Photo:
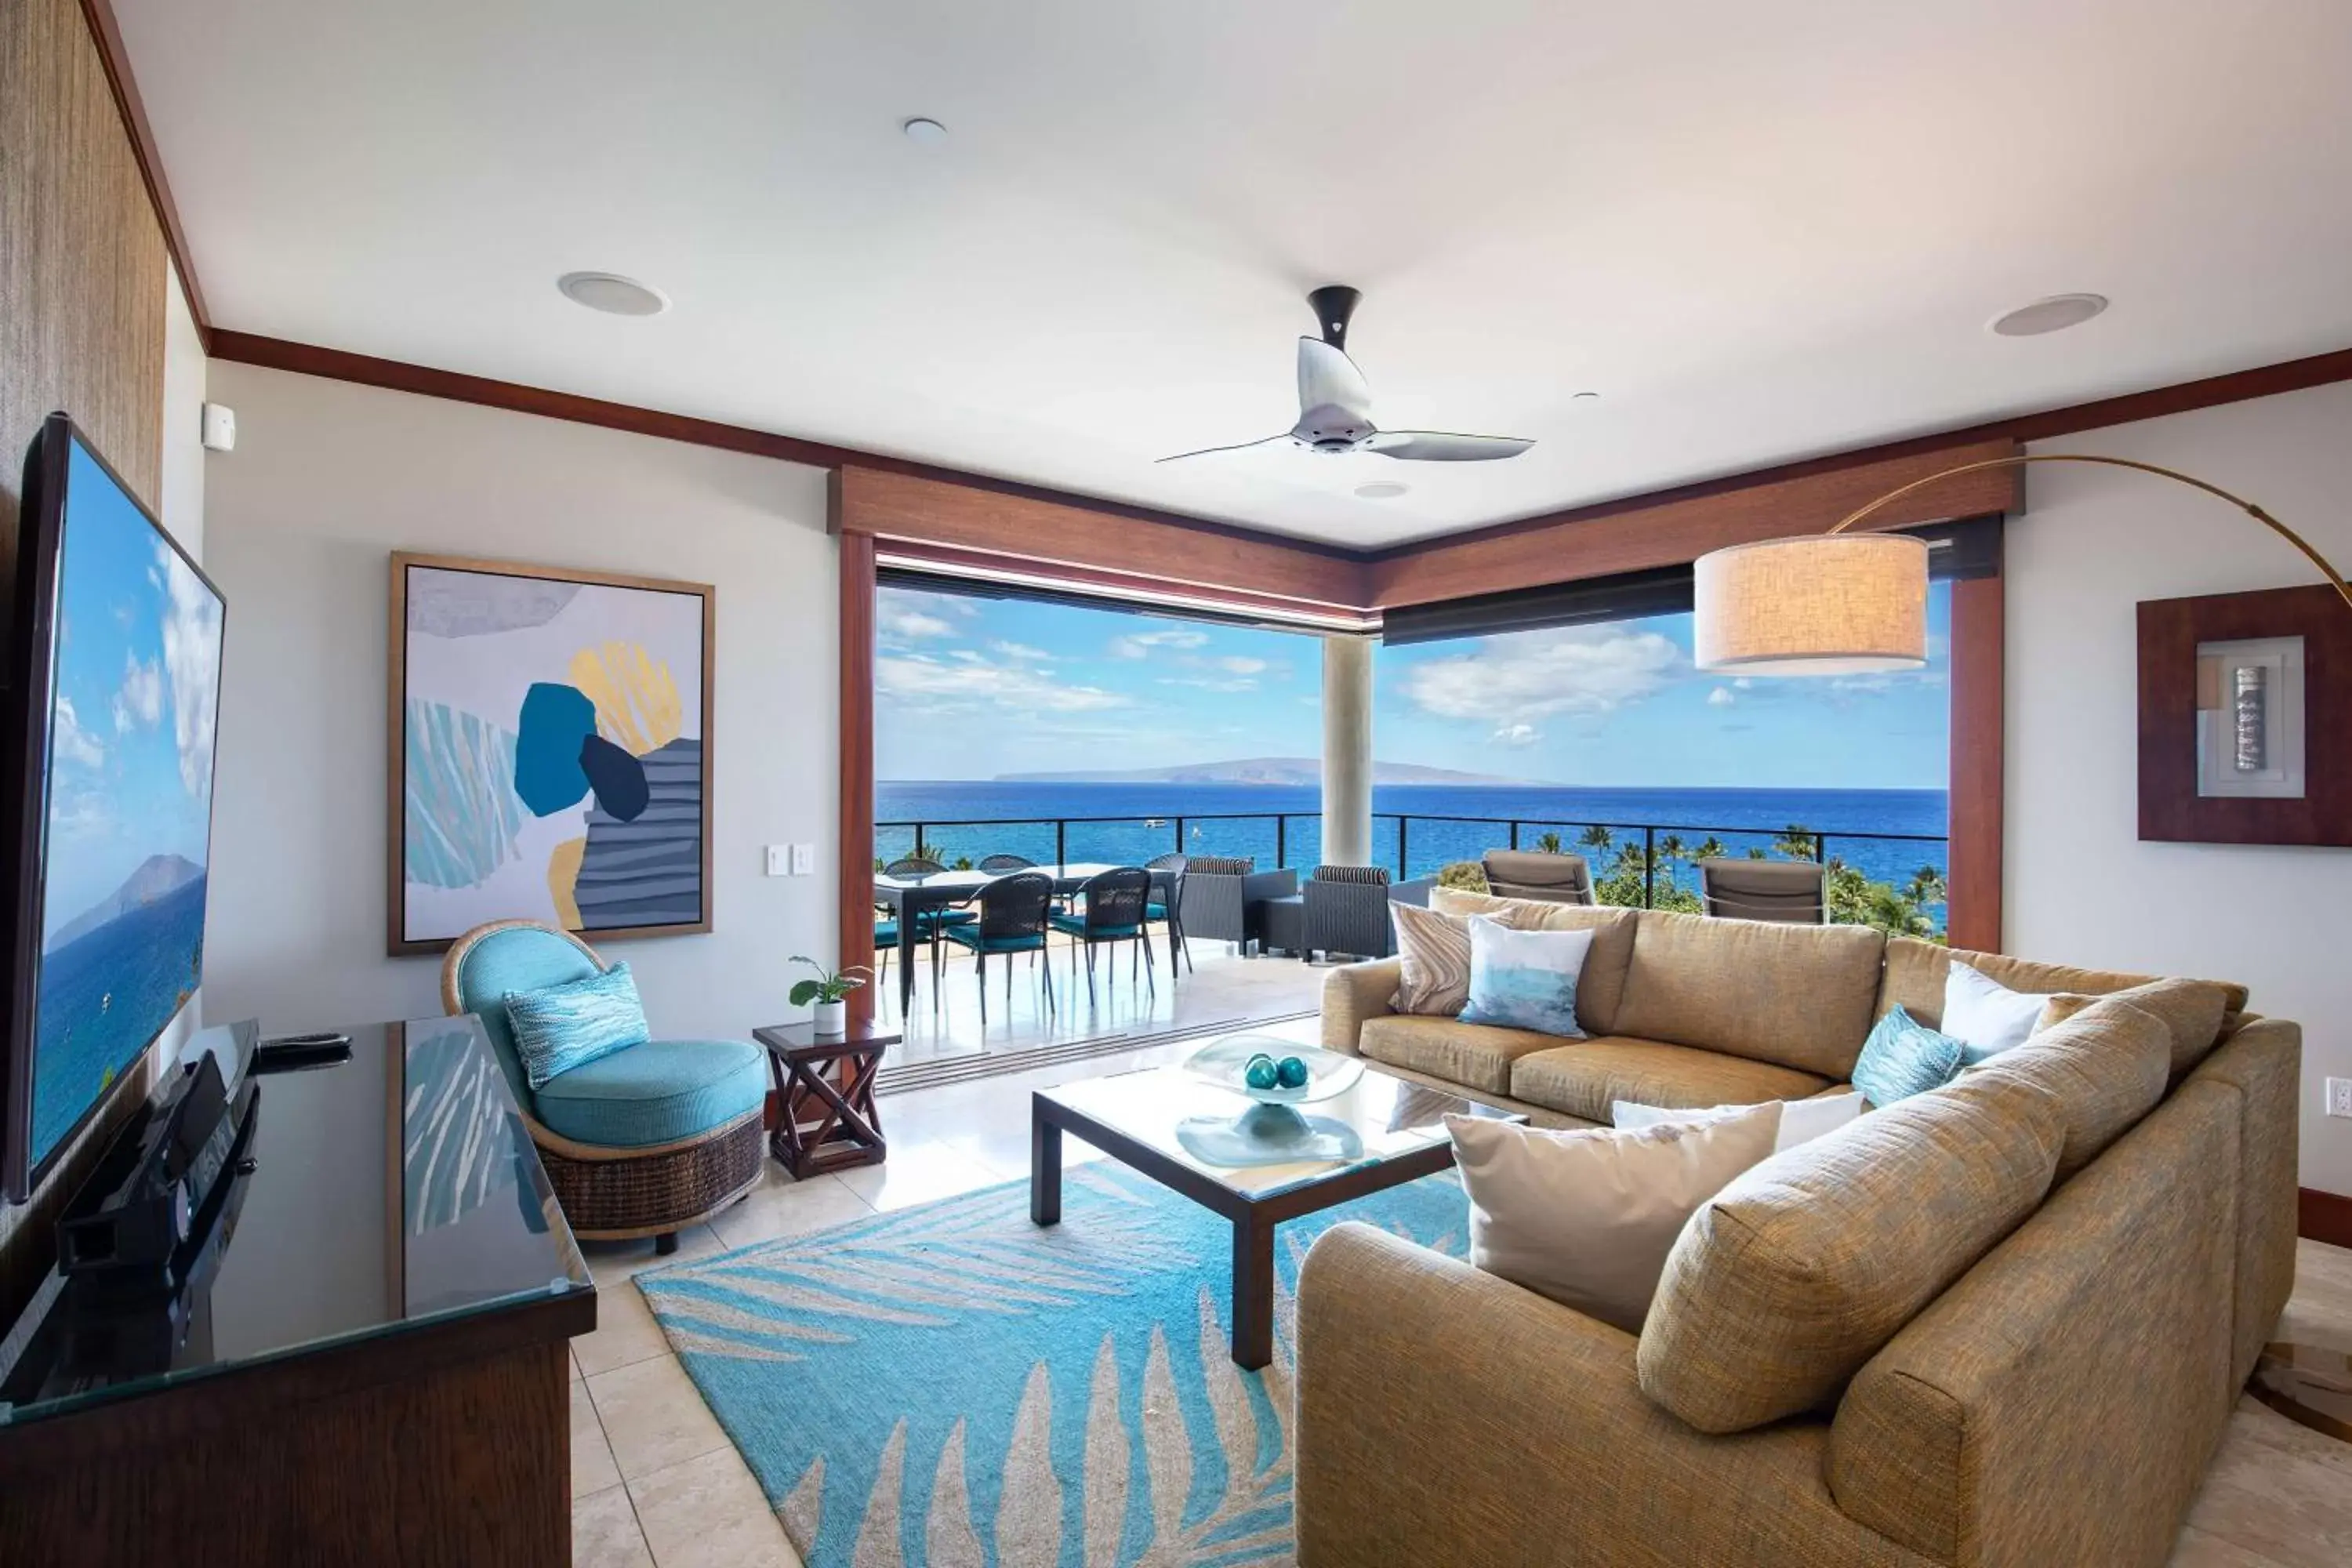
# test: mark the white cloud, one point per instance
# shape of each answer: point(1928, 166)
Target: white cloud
point(69, 741)
point(140, 700)
point(1720, 696)
point(1517, 736)
point(1241, 683)
point(1238, 664)
point(919, 677)
point(192, 659)
point(1019, 650)
point(900, 622)
point(1527, 675)
point(1138, 645)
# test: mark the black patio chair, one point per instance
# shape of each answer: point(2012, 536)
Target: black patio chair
point(996, 864)
point(1171, 912)
point(1013, 914)
point(1113, 904)
point(931, 922)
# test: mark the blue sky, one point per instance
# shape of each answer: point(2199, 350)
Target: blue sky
point(136, 684)
point(971, 688)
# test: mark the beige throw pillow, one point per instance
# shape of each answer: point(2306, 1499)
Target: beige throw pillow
point(2192, 1012)
point(1587, 1217)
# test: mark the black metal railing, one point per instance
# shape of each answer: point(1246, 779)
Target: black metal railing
point(1440, 840)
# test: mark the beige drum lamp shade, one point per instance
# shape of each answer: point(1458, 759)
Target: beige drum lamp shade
point(1831, 604)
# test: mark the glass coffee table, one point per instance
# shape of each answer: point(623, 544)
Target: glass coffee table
point(1382, 1131)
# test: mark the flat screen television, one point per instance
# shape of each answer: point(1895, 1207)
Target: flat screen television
point(113, 669)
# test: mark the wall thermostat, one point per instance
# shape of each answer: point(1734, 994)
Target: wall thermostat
point(220, 427)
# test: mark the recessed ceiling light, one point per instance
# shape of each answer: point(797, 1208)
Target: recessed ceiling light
point(2055, 314)
point(1382, 490)
point(613, 294)
point(930, 133)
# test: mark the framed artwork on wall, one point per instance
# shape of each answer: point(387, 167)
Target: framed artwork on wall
point(2245, 718)
point(549, 751)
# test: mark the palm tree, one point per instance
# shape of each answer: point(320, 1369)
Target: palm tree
point(1796, 843)
point(1597, 837)
point(1709, 849)
point(1549, 842)
point(1927, 886)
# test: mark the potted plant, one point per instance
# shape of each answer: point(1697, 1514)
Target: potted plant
point(830, 991)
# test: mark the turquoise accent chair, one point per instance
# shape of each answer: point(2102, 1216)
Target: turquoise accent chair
point(641, 1142)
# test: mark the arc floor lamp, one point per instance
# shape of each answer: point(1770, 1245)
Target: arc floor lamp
point(1845, 604)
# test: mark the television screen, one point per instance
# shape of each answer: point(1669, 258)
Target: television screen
point(118, 641)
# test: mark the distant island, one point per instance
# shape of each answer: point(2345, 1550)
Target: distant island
point(157, 876)
point(1294, 771)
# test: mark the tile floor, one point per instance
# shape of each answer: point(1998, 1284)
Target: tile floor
point(656, 1482)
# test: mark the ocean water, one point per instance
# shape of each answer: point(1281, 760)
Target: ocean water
point(104, 997)
point(1887, 833)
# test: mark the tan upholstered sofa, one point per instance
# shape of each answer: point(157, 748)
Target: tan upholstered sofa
point(2048, 1282)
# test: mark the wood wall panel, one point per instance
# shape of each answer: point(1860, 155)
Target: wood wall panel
point(856, 847)
point(1639, 535)
point(1972, 912)
point(82, 282)
point(906, 507)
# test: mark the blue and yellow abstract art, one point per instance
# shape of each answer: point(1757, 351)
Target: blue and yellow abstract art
point(553, 728)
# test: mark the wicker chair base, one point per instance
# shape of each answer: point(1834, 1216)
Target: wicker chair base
point(631, 1194)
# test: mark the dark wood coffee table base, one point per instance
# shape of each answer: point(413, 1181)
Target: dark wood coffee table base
point(1254, 1219)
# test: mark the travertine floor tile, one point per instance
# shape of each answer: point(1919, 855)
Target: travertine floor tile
point(591, 1458)
point(781, 1206)
point(2280, 1490)
point(653, 1417)
point(918, 1174)
point(709, 1512)
point(611, 1261)
point(626, 1331)
point(604, 1533)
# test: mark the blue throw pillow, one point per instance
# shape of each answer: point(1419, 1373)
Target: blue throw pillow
point(1524, 979)
point(568, 1025)
point(1903, 1057)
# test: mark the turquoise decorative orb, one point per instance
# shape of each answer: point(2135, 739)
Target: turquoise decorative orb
point(1290, 1073)
point(1261, 1072)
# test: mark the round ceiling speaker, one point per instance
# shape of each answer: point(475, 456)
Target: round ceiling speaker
point(2055, 314)
point(613, 294)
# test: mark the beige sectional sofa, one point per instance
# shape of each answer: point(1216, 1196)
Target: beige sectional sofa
point(2003, 1322)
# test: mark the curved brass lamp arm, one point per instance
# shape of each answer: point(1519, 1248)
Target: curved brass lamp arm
point(2343, 590)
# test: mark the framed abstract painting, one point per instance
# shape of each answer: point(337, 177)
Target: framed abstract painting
point(549, 751)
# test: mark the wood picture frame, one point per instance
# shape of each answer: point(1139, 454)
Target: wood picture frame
point(484, 779)
point(2175, 803)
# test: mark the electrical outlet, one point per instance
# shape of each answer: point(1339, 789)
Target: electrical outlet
point(779, 861)
point(2339, 1097)
point(803, 860)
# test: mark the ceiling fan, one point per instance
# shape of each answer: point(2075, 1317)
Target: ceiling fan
point(1334, 406)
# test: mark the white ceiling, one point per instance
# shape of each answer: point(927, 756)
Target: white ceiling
point(1759, 231)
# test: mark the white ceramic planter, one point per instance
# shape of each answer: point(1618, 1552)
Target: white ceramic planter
point(833, 1017)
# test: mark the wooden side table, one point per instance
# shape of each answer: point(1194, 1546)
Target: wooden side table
point(825, 1118)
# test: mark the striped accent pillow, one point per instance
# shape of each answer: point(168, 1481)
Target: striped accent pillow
point(572, 1024)
point(1434, 956)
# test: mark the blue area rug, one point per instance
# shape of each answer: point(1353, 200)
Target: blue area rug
point(952, 1385)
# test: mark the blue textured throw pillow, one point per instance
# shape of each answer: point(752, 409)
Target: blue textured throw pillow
point(1903, 1057)
point(568, 1025)
point(1524, 979)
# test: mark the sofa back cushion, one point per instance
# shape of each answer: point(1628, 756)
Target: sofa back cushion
point(1600, 985)
point(1784, 1286)
point(1797, 995)
point(2106, 1068)
point(1915, 970)
point(2192, 1012)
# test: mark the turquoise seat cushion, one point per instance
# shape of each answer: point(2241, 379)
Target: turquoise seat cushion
point(1904, 1057)
point(1076, 925)
point(519, 958)
point(658, 1092)
point(1155, 913)
point(969, 936)
point(562, 1028)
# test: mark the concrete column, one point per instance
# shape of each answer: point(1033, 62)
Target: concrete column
point(1347, 751)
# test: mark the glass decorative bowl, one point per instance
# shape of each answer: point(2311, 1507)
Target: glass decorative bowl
point(1225, 1062)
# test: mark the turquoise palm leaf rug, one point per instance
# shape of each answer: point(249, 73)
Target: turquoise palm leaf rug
point(953, 1386)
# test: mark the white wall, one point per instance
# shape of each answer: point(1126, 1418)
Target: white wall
point(2080, 886)
point(327, 479)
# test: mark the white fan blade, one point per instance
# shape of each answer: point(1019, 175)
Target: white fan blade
point(1439, 446)
point(1281, 440)
point(1328, 379)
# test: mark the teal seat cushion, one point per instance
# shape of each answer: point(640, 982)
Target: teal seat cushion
point(969, 937)
point(1076, 925)
point(1155, 913)
point(658, 1092)
point(519, 958)
point(1904, 1057)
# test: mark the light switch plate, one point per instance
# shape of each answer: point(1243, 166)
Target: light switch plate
point(779, 860)
point(2339, 1097)
point(803, 860)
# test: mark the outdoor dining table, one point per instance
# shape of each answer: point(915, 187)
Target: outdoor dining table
point(907, 898)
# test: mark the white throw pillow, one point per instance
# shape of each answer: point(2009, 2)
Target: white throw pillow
point(1986, 1015)
point(1524, 979)
point(1801, 1120)
point(1587, 1217)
